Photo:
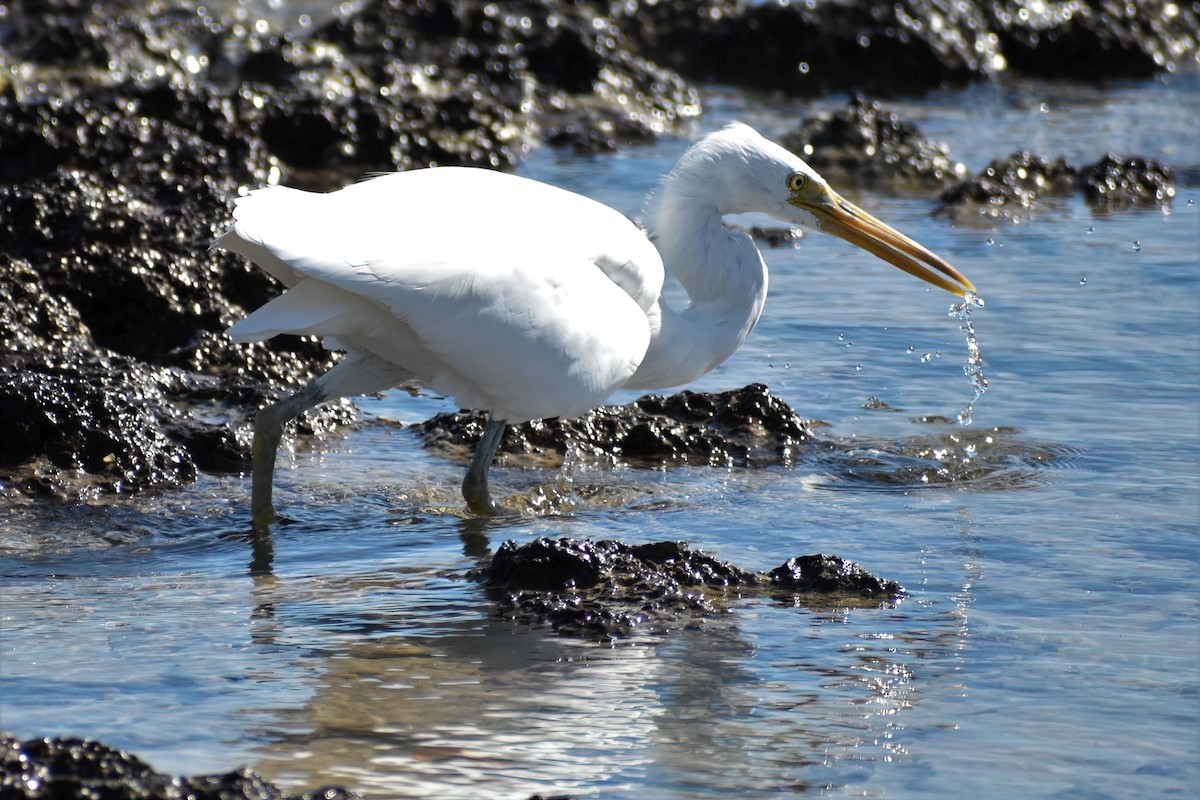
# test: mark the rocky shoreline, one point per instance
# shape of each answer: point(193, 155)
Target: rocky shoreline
point(127, 128)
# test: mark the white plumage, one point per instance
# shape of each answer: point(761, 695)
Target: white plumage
point(522, 299)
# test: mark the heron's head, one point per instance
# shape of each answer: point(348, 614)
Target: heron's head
point(749, 173)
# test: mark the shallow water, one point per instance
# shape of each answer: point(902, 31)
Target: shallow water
point(1048, 646)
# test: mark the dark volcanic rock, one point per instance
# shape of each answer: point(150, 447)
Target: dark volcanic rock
point(743, 427)
point(813, 48)
point(1093, 39)
point(109, 373)
point(868, 144)
point(911, 45)
point(608, 589)
point(565, 60)
point(831, 574)
point(126, 128)
point(1115, 183)
point(63, 434)
point(60, 769)
point(1010, 187)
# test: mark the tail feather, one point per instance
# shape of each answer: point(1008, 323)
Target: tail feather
point(310, 308)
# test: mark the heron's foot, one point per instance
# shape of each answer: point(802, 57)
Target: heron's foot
point(479, 500)
point(477, 494)
point(486, 509)
point(261, 518)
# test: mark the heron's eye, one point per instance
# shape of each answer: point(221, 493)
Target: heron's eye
point(795, 181)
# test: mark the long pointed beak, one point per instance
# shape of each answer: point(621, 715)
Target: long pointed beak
point(845, 220)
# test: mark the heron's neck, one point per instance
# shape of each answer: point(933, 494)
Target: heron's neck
point(726, 282)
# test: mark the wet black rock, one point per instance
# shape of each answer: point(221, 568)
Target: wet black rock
point(127, 127)
point(564, 62)
point(742, 427)
point(1010, 187)
point(814, 48)
point(64, 768)
point(1093, 39)
point(831, 575)
point(911, 45)
point(609, 589)
point(868, 144)
point(69, 436)
point(1115, 182)
point(112, 380)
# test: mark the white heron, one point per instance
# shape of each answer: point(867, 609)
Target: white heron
point(525, 300)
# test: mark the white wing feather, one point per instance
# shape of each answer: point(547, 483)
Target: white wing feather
point(507, 294)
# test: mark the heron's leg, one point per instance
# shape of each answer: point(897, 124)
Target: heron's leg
point(475, 485)
point(358, 373)
point(268, 429)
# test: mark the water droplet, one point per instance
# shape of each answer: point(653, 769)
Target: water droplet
point(973, 369)
point(1137, 245)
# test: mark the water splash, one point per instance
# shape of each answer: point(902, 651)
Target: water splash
point(974, 366)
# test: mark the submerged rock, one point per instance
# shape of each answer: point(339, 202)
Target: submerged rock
point(61, 768)
point(608, 589)
point(742, 427)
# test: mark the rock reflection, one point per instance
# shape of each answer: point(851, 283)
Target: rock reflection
point(484, 706)
point(420, 691)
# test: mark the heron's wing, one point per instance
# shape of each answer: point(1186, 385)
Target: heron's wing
point(485, 284)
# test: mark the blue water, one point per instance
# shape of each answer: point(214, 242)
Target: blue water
point(1049, 646)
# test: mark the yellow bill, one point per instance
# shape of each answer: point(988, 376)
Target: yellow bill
point(840, 217)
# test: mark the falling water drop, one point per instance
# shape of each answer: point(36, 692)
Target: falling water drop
point(973, 369)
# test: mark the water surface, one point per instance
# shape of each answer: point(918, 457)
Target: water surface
point(1048, 646)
